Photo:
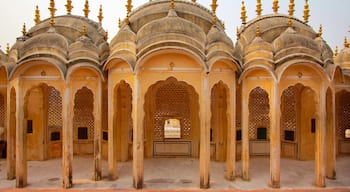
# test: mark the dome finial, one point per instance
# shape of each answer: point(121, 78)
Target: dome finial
point(119, 23)
point(128, 10)
point(306, 11)
point(257, 32)
point(52, 12)
point(172, 4)
point(7, 48)
point(37, 15)
point(243, 14)
point(214, 6)
point(86, 9)
point(69, 7)
point(24, 30)
point(84, 31)
point(336, 51)
point(100, 14)
point(258, 8)
point(275, 6)
point(346, 43)
point(291, 8)
point(106, 36)
point(320, 31)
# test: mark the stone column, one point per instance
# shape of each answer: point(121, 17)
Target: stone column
point(331, 136)
point(204, 153)
point(98, 132)
point(112, 155)
point(67, 139)
point(320, 147)
point(231, 134)
point(138, 140)
point(275, 138)
point(245, 133)
point(11, 135)
point(21, 141)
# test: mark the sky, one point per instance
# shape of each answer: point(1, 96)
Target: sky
point(334, 15)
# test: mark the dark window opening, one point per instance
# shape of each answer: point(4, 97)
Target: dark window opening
point(105, 135)
point(55, 136)
point(313, 125)
point(211, 134)
point(82, 133)
point(289, 135)
point(238, 135)
point(262, 133)
point(29, 126)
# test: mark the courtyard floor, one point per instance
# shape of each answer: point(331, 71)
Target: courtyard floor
point(178, 174)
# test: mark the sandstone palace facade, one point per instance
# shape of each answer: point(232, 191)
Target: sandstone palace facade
point(172, 83)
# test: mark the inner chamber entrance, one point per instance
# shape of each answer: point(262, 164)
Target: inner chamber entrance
point(176, 102)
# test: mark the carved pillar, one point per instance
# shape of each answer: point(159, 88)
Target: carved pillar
point(245, 133)
point(275, 139)
point(21, 141)
point(231, 134)
point(204, 153)
point(98, 132)
point(112, 155)
point(320, 147)
point(331, 135)
point(11, 134)
point(138, 140)
point(67, 139)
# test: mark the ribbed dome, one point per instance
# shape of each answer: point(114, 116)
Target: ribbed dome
point(259, 52)
point(343, 58)
point(326, 51)
point(291, 44)
point(84, 49)
point(50, 42)
point(217, 34)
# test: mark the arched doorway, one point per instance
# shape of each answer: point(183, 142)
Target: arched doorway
point(298, 122)
point(343, 122)
point(123, 121)
point(171, 99)
point(218, 130)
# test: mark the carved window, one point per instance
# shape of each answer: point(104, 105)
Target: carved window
point(55, 136)
point(82, 133)
point(172, 129)
point(262, 133)
point(288, 135)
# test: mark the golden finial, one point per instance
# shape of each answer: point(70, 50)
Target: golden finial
point(172, 4)
point(84, 31)
point(275, 6)
point(214, 5)
point(258, 7)
point(306, 11)
point(346, 43)
point(106, 36)
point(24, 30)
point(237, 31)
point(128, 7)
point(127, 19)
point(37, 15)
point(119, 23)
point(86, 9)
point(257, 32)
point(223, 25)
point(289, 21)
point(100, 14)
point(291, 8)
point(320, 31)
point(243, 14)
point(336, 51)
point(52, 12)
point(69, 7)
point(7, 48)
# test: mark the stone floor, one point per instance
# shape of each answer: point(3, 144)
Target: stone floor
point(178, 174)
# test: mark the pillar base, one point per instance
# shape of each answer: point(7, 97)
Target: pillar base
point(230, 177)
point(204, 186)
point(275, 185)
point(138, 184)
point(332, 176)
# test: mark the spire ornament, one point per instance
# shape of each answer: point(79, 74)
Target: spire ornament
point(258, 8)
point(100, 14)
point(243, 14)
point(258, 32)
point(291, 8)
point(24, 30)
point(69, 7)
point(84, 31)
point(275, 6)
point(37, 15)
point(214, 6)
point(52, 12)
point(7, 48)
point(320, 31)
point(172, 4)
point(306, 11)
point(106, 36)
point(128, 10)
point(119, 23)
point(336, 51)
point(346, 43)
point(86, 9)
